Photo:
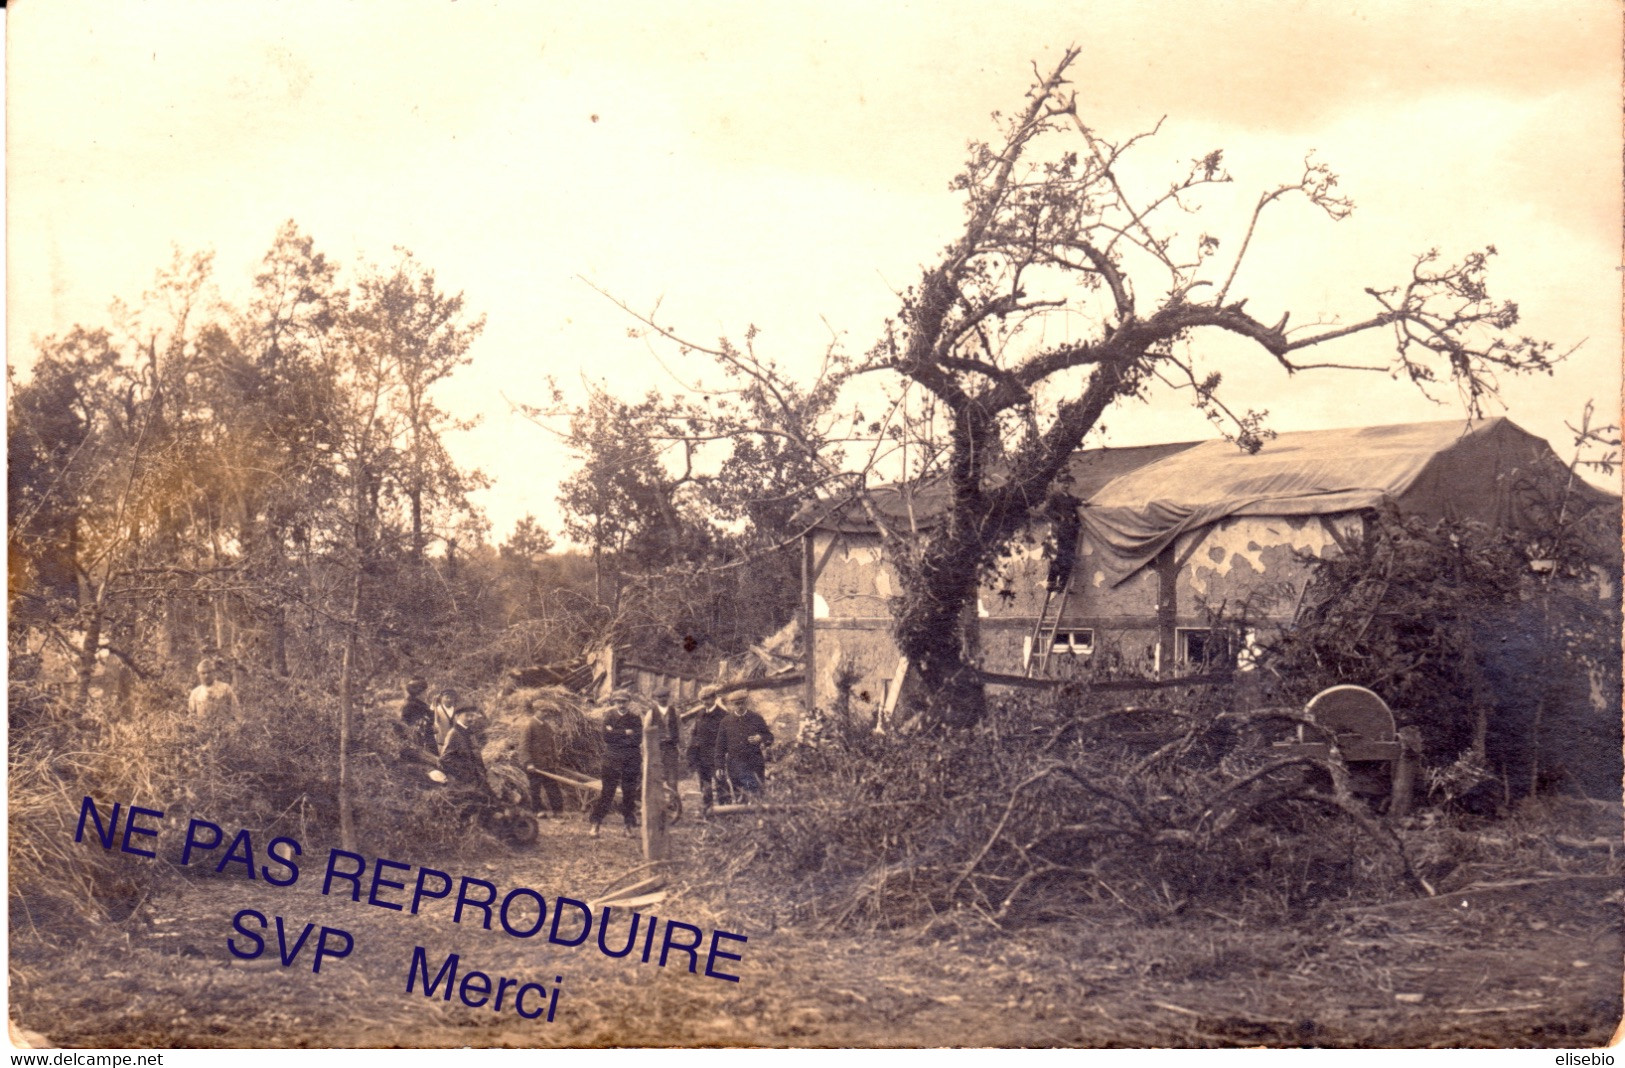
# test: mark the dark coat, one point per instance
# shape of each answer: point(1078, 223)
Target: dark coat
point(417, 720)
point(671, 727)
point(671, 741)
point(539, 743)
point(461, 761)
point(702, 744)
point(623, 731)
point(735, 751)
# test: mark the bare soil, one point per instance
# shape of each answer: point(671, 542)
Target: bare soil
point(1534, 962)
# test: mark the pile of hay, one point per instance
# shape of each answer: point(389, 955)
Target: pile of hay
point(574, 734)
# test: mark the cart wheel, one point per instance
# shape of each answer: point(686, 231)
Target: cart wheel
point(520, 829)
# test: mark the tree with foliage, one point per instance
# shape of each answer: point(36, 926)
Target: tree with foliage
point(1059, 243)
point(68, 462)
point(622, 503)
point(244, 481)
point(105, 437)
point(684, 499)
point(423, 336)
point(529, 542)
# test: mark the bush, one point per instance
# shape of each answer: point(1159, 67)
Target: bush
point(1446, 621)
point(53, 763)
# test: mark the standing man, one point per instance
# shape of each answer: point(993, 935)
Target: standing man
point(742, 741)
point(702, 749)
point(212, 698)
point(622, 766)
point(539, 746)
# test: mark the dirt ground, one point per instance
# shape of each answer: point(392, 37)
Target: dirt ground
point(1519, 963)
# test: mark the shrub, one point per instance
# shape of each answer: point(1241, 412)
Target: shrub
point(1445, 622)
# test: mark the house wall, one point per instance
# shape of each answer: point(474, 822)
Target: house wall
point(1252, 565)
point(852, 647)
point(1249, 567)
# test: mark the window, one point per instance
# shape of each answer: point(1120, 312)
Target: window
point(1075, 642)
point(1198, 646)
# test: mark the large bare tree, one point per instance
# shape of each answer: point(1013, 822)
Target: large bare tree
point(1059, 242)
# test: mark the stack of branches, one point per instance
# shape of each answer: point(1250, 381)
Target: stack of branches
point(55, 882)
point(56, 759)
point(574, 738)
point(270, 770)
point(1044, 811)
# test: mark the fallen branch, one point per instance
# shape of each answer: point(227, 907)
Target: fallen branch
point(1497, 1008)
point(993, 678)
point(1599, 845)
point(579, 782)
point(615, 884)
point(637, 892)
point(998, 829)
point(631, 902)
point(1381, 833)
point(759, 806)
point(1489, 891)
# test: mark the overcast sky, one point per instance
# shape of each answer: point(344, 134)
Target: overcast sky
point(787, 165)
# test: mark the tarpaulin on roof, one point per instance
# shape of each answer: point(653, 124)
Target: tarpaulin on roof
point(918, 506)
point(1482, 470)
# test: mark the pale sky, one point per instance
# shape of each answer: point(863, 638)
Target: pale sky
point(787, 164)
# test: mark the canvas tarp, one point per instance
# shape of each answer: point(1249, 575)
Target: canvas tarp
point(919, 506)
point(1484, 470)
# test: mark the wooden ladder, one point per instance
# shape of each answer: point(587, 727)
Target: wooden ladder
point(1049, 621)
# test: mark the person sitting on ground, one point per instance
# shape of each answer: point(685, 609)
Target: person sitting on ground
point(213, 698)
point(742, 741)
point(417, 723)
point(539, 747)
point(460, 757)
point(622, 766)
point(702, 749)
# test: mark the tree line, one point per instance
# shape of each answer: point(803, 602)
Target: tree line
point(270, 483)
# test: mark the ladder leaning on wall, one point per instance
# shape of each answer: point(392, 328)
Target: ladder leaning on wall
point(1049, 621)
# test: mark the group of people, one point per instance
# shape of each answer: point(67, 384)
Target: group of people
point(727, 748)
point(446, 734)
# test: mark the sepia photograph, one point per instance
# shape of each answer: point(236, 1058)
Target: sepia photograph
point(998, 523)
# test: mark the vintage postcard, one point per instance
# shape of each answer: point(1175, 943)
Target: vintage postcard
point(1013, 524)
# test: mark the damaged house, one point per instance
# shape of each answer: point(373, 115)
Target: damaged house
point(1151, 545)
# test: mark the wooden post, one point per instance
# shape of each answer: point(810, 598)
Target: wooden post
point(607, 665)
point(654, 787)
point(1404, 785)
point(809, 578)
point(1167, 572)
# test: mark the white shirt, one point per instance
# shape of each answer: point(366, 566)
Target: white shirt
point(216, 700)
